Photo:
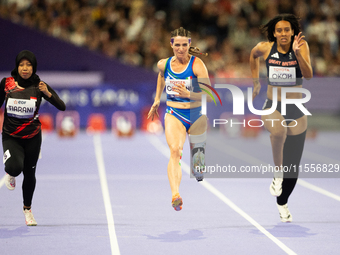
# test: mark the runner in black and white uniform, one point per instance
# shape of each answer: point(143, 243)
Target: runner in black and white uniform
point(288, 61)
point(21, 132)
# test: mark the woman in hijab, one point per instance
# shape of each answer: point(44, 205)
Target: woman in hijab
point(21, 132)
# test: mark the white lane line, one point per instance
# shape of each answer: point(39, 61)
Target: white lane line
point(165, 151)
point(106, 194)
point(318, 189)
point(2, 181)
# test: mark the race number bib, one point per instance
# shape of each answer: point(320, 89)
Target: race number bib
point(282, 76)
point(169, 84)
point(21, 108)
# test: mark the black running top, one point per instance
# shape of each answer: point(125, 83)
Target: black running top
point(283, 69)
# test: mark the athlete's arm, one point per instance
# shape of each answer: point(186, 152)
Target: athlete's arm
point(51, 96)
point(301, 50)
point(201, 73)
point(258, 51)
point(159, 89)
point(2, 91)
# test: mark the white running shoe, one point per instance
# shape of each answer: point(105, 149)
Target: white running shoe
point(10, 182)
point(276, 187)
point(285, 213)
point(29, 218)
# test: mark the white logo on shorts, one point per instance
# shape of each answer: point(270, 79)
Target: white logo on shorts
point(7, 155)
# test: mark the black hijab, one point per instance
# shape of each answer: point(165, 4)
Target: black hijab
point(34, 79)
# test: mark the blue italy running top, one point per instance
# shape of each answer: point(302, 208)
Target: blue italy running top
point(187, 77)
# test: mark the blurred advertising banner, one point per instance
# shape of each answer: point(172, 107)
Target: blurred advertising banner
point(109, 98)
point(105, 99)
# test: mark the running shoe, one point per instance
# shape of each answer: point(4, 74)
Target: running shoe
point(285, 213)
point(177, 202)
point(29, 218)
point(276, 187)
point(10, 182)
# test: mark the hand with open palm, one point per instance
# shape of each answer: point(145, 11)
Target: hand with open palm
point(298, 42)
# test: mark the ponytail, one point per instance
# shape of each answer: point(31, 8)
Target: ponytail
point(196, 52)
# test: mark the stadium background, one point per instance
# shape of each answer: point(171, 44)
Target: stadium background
point(101, 56)
point(99, 194)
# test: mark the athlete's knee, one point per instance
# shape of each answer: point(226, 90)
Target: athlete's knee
point(175, 151)
point(279, 133)
point(13, 168)
point(29, 172)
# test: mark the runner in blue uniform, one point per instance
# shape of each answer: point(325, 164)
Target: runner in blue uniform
point(21, 132)
point(288, 61)
point(180, 75)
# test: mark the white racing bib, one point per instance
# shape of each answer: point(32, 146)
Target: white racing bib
point(21, 108)
point(169, 84)
point(279, 75)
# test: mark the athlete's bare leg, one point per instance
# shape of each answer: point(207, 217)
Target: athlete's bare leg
point(175, 134)
point(301, 126)
point(278, 134)
point(199, 127)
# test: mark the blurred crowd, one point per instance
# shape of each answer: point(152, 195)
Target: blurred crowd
point(137, 32)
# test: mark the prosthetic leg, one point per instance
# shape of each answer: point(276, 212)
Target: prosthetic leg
point(197, 153)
